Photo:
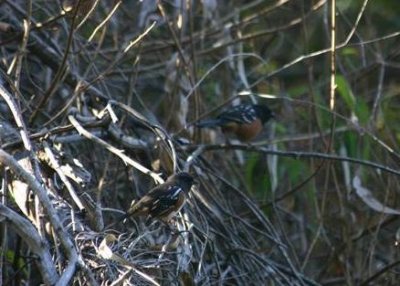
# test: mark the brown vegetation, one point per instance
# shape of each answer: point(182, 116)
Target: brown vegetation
point(98, 101)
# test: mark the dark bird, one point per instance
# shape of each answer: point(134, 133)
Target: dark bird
point(245, 120)
point(164, 201)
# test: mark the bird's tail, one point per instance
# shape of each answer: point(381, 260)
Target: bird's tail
point(209, 123)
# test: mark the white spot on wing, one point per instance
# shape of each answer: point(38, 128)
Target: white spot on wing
point(248, 113)
point(175, 192)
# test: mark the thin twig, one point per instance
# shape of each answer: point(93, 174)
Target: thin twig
point(294, 154)
point(112, 149)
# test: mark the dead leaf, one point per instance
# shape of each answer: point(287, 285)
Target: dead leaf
point(370, 200)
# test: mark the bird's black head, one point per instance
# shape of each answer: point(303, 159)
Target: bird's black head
point(263, 112)
point(183, 179)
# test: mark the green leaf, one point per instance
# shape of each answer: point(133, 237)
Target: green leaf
point(349, 51)
point(362, 110)
point(345, 92)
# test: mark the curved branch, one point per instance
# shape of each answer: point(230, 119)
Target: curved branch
point(69, 247)
point(37, 245)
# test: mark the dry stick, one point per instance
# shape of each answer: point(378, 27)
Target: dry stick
point(151, 48)
point(355, 125)
point(87, 85)
point(54, 163)
point(57, 130)
point(33, 163)
point(60, 73)
point(175, 40)
point(320, 209)
point(214, 67)
point(197, 98)
point(261, 217)
point(294, 154)
point(3, 229)
point(114, 150)
point(40, 192)
point(250, 36)
point(71, 100)
point(81, 85)
point(37, 245)
point(365, 232)
point(332, 101)
point(22, 50)
point(50, 58)
point(21, 125)
point(351, 123)
point(324, 51)
point(108, 17)
point(380, 272)
point(378, 97)
point(192, 78)
point(118, 58)
point(272, 234)
point(88, 13)
point(156, 129)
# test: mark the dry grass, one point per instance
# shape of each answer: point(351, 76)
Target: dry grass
point(116, 85)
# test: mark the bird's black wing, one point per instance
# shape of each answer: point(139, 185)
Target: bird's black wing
point(242, 114)
point(165, 200)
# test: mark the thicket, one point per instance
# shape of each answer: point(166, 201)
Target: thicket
point(98, 102)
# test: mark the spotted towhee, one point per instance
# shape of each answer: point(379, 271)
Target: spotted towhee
point(164, 201)
point(245, 120)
